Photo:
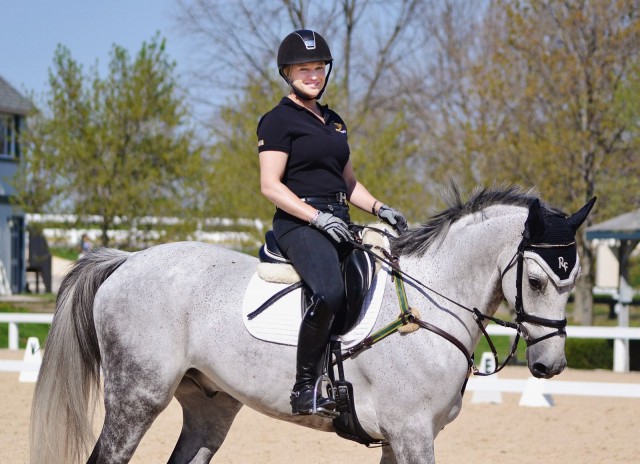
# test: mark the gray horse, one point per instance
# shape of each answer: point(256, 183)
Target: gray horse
point(166, 322)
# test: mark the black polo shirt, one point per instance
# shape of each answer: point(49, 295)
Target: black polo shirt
point(317, 152)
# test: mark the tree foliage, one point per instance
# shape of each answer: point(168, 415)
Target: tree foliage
point(36, 186)
point(555, 76)
point(118, 148)
point(233, 183)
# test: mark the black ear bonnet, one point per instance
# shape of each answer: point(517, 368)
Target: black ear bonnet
point(549, 239)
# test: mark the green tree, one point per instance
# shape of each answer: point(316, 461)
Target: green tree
point(233, 184)
point(119, 148)
point(382, 155)
point(37, 189)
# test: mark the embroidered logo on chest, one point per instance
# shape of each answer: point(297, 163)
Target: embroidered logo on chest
point(339, 128)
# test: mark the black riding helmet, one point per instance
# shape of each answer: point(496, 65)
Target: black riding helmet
point(304, 46)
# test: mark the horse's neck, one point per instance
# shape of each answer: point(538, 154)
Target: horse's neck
point(465, 267)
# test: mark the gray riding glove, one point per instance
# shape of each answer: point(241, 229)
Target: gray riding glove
point(393, 217)
point(332, 225)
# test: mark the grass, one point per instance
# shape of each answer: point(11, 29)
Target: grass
point(64, 252)
point(503, 347)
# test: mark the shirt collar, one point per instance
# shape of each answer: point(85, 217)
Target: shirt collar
point(288, 102)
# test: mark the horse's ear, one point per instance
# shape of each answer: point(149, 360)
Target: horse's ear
point(534, 227)
point(576, 219)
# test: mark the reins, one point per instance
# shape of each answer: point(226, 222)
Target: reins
point(408, 316)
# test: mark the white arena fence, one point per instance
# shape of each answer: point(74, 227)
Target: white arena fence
point(22, 318)
point(535, 392)
point(66, 233)
point(554, 387)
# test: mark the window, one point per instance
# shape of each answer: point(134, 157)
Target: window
point(8, 135)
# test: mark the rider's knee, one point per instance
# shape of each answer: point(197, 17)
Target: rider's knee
point(333, 298)
point(319, 313)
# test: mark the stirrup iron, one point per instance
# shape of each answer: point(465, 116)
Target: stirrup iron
point(318, 385)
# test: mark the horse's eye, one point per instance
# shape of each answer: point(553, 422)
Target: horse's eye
point(535, 283)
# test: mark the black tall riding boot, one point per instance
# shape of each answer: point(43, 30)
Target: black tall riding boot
point(312, 342)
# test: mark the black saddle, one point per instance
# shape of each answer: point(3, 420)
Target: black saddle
point(358, 270)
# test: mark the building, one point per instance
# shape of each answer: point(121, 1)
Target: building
point(14, 109)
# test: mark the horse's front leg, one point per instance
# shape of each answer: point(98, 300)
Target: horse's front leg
point(388, 456)
point(409, 446)
point(410, 433)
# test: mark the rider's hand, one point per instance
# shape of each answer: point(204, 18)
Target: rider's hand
point(335, 227)
point(393, 217)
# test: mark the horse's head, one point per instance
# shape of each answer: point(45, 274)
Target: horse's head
point(544, 270)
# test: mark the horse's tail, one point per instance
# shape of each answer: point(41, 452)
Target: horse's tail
point(68, 385)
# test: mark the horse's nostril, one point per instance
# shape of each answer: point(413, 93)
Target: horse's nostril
point(540, 371)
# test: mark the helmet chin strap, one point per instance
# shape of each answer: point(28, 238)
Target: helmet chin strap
point(300, 94)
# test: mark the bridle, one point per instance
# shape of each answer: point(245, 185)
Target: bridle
point(407, 316)
point(521, 316)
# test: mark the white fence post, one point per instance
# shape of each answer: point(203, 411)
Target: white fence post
point(621, 345)
point(32, 361)
point(13, 336)
point(13, 319)
point(534, 394)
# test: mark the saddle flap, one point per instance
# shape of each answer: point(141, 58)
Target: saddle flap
point(358, 270)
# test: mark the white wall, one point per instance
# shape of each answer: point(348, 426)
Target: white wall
point(607, 265)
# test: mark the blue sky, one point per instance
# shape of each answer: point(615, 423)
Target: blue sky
point(32, 29)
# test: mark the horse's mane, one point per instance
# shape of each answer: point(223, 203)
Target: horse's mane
point(417, 241)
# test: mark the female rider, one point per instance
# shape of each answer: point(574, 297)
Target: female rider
point(306, 172)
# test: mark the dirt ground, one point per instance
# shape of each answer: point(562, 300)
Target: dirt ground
point(576, 429)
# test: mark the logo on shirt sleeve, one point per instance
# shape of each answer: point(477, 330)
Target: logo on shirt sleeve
point(260, 142)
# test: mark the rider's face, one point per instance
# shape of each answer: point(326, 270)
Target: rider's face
point(308, 77)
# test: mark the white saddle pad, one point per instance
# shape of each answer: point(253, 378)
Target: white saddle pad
point(280, 322)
